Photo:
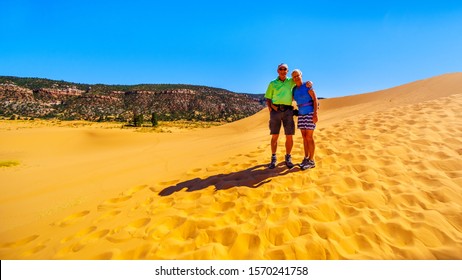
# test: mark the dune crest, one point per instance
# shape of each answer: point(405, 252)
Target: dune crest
point(335, 109)
point(388, 185)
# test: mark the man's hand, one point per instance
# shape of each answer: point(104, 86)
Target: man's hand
point(269, 104)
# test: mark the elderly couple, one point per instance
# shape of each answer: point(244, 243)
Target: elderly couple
point(279, 96)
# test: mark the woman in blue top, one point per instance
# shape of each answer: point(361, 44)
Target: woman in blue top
point(307, 104)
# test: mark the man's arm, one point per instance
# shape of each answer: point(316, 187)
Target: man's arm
point(270, 105)
point(269, 96)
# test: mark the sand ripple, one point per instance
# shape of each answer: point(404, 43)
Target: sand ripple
point(388, 185)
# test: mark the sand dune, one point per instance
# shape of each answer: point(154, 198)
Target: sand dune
point(407, 94)
point(388, 185)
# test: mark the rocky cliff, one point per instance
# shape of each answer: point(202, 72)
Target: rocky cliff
point(43, 98)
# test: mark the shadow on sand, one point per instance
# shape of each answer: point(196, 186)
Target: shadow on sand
point(252, 177)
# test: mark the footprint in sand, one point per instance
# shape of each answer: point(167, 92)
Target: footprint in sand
point(72, 219)
point(217, 166)
point(263, 147)
point(89, 239)
point(253, 154)
point(119, 235)
point(113, 203)
point(169, 183)
point(128, 232)
point(134, 190)
point(104, 256)
point(107, 215)
point(194, 171)
point(139, 223)
point(79, 234)
point(147, 202)
point(34, 250)
point(20, 242)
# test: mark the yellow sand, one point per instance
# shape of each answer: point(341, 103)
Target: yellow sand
point(388, 185)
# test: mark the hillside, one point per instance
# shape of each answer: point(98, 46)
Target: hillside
point(44, 98)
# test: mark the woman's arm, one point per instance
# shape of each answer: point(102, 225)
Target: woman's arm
point(312, 93)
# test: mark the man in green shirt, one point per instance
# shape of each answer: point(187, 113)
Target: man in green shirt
point(279, 101)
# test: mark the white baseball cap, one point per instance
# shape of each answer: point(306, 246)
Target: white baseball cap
point(283, 65)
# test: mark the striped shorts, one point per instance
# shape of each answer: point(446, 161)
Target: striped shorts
point(306, 122)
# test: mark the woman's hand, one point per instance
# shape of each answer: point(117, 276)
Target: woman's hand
point(315, 117)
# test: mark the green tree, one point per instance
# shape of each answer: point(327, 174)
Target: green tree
point(138, 120)
point(154, 119)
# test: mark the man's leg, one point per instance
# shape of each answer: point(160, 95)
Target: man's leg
point(274, 147)
point(289, 144)
point(289, 129)
point(274, 143)
point(275, 127)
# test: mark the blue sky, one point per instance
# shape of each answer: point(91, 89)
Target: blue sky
point(344, 47)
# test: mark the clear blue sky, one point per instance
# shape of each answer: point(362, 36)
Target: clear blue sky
point(345, 47)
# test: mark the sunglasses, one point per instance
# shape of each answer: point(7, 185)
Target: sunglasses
point(283, 69)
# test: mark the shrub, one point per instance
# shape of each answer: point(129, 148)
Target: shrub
point(9, 163)
point(154, 119)
point(138, 120)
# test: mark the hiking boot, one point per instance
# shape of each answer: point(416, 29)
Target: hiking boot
point(307, 163)
point(273, 162)
point(304, 164)
point(289, 161)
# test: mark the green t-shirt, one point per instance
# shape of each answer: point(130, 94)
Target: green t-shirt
point(280, 92)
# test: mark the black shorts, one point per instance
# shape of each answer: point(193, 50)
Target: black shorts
point(285, 118)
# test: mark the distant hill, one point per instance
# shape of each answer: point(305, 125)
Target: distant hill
point(45, 98)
